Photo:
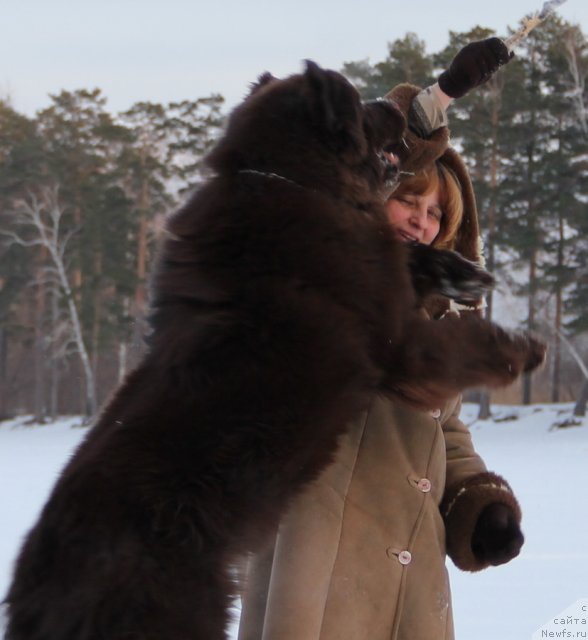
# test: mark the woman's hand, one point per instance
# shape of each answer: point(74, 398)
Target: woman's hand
point(497, 536)
point(473, 66)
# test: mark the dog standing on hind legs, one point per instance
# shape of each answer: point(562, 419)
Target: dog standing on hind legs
point(279, 307)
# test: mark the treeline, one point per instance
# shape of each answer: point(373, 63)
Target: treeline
point(83, 194)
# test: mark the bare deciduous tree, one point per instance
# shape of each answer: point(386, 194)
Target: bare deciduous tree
point(573, 43)
point(37, 222)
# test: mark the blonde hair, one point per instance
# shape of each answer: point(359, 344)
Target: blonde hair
point(450, 199)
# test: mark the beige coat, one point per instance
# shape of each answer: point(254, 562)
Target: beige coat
point(361, 554)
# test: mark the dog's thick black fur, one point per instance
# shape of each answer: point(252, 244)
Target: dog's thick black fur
point(281, 303)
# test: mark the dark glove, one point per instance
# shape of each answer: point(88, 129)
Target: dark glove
point(497, 537)
point(473, 65)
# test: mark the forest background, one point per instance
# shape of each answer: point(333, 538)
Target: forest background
point(84, 193)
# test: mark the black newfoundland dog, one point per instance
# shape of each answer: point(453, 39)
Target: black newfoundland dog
point(281, 302)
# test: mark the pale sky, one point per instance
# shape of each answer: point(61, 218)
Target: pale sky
point(161, 51)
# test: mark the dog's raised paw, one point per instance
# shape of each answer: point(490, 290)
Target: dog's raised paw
point(525, 354)
point(536, 352)
point(444, 272)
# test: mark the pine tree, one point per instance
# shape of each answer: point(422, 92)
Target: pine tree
point(145, 174)
point(576, 54)
point(551, 188)
point(407, 61)
point(193, 126)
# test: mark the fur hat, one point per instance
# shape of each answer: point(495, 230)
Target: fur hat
point(417, 153)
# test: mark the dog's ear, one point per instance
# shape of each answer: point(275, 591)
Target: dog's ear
point(263, 79)
point(335, 108)
point(225, 154)
point(384, 123)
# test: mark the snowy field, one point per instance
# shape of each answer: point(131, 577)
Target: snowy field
point(547, 468)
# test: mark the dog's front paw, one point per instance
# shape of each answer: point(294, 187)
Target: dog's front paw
point(536, 352)
point(523, 352)
point(462, 280)
point(447, 273)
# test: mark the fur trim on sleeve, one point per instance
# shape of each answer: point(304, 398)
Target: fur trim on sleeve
point(461, 507)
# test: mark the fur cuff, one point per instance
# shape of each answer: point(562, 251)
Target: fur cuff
point(461, 507)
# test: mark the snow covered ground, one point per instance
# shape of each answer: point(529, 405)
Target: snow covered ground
point(547, 468)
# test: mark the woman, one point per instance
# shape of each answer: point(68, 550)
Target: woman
point(361, 553)
point(416, 211)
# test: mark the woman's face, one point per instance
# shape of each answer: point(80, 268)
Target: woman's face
point(415, 218)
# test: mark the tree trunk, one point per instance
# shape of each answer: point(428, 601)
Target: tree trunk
point(580, 408)
point(556, 354)
point(39, 407)
point(140, 292)
point(485, 411)
point(527, 381)
point(556, 357)
point(531, 213)
point(91, 404)
point(53, 360)
point(56, 251)
point(122, 360)
point(96, 315)
point(4, 412)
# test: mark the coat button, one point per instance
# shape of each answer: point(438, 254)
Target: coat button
point(404, 557)
point(436, 413)
point(424, 484)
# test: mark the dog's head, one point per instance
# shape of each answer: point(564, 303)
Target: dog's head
point(312, 128)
